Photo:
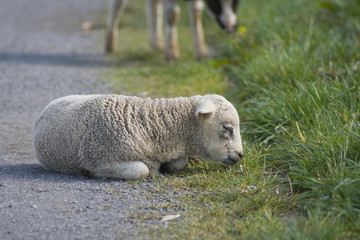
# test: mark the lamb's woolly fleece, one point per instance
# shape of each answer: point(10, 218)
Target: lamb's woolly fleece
point(76, 134)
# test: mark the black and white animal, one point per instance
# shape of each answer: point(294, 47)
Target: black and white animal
point(224, 11)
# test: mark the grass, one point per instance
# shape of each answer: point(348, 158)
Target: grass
point(293, 72)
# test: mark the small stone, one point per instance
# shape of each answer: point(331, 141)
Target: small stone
point(40, 189)
point(87, 25)
point(170, 217)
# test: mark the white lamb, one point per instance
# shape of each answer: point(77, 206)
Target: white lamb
point(116, 136)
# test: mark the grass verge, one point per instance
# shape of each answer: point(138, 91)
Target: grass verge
point(293, 72)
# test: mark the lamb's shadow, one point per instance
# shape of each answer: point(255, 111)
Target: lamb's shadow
point(30, 172)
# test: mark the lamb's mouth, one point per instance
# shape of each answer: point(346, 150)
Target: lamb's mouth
point(231, 161)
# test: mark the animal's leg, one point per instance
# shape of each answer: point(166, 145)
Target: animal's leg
point(124, 170)
point(154, 12)
point(116, 8)
point(195, 15)
point(172, 15)
point(174, 165)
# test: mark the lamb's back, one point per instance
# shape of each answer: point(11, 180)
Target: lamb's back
point(59, 130)
point(79, 132)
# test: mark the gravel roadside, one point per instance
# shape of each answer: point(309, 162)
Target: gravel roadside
point(44, 55)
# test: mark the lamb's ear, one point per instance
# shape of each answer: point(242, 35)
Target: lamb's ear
point(205, 110)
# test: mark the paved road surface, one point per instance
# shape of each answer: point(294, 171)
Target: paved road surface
point(45, 55)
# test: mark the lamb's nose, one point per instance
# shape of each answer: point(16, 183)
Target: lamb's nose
point(240, 155)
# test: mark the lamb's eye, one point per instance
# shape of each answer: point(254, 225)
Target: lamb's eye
point(228, 129)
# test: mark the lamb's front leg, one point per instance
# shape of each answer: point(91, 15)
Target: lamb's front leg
point(116, 8)
point(195, 14)
point(123, 170)
point(154, 12)
point(172, 15)
point(175, 165)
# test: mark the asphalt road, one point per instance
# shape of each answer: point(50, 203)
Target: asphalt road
point(44, 54)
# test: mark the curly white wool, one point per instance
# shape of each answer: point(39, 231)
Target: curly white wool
point(126, 137)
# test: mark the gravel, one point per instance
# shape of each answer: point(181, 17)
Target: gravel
point(44, 55)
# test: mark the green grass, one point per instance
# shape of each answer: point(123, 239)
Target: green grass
point(293, 72)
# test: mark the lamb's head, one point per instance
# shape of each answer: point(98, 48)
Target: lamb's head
point(218, 126)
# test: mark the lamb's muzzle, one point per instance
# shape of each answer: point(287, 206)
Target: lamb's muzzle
point(233, 159)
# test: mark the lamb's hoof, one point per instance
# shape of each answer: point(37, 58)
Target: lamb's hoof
point(109, 48)
point(174, 56)
point(203, 54)
point(158, 46)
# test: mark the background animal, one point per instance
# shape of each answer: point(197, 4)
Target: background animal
point(224, 11)
point(124, 137)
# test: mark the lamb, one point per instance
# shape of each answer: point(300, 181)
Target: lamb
point(130, 138)
point(224, 11)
